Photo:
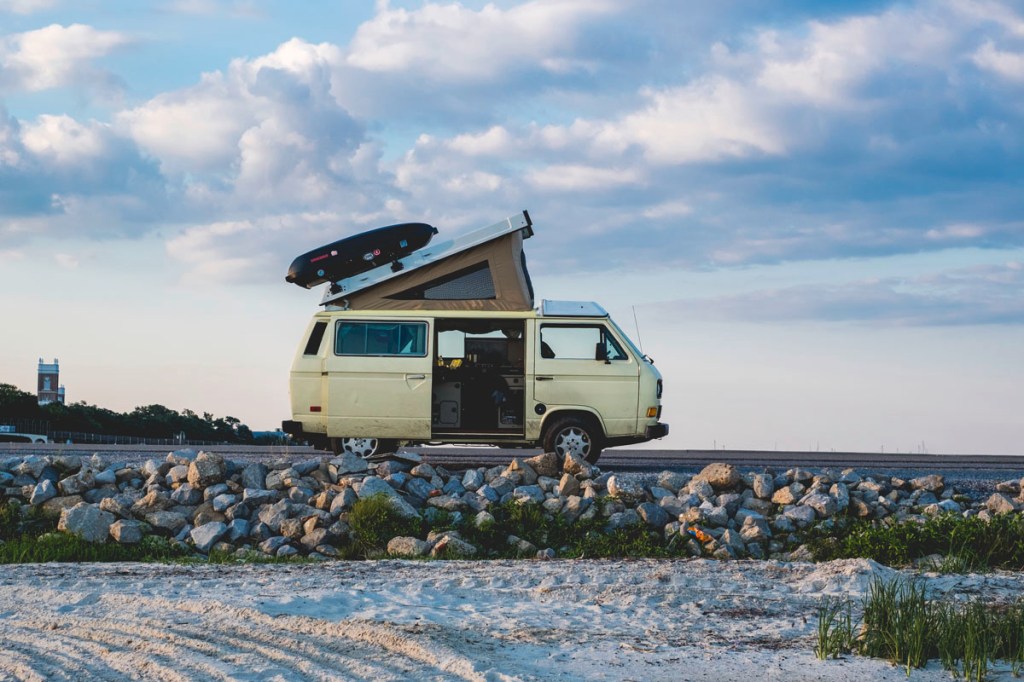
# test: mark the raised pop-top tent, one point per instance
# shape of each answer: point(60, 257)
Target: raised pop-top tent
point(482, 270)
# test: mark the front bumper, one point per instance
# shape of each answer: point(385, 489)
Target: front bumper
point(656, 431)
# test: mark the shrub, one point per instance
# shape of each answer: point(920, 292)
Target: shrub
point(374, 521)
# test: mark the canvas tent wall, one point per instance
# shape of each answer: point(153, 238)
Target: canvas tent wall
point(489, 276)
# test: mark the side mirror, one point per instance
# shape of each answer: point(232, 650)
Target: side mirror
point(601, 352)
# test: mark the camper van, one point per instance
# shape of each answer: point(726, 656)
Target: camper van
point(447, 347)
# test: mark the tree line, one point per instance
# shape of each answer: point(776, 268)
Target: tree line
point(149, 421)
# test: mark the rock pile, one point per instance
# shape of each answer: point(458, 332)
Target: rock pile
point(289, 508)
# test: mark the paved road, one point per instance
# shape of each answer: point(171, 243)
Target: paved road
point(616, 459)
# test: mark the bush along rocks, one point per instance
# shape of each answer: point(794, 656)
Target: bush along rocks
point(200, 501)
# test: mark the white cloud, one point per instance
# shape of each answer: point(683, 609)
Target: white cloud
point(954, 232)
point(450, 42)
point(64, 141)
point(1009, 65)
point(496, 140)
point(25, 6)
point(579, 178)
point(668, 209)
point(56, 56)
point(66, 260)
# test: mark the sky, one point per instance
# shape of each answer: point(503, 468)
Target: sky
point(810, 214)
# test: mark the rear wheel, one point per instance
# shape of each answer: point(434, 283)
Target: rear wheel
point(575, 435)
point(363, 447)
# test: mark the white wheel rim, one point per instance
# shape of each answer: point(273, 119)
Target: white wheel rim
point(360, 447)
point(574, 440)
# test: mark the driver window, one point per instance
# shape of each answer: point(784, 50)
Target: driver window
point(579, 342)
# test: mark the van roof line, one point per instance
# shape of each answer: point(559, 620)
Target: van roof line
point(431, 254)
point(571, 309)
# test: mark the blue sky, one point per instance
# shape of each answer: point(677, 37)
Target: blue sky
point(816, 210)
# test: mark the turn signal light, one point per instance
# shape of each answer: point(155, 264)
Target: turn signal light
point(652, 412)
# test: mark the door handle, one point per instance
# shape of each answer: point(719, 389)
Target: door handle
point(415, 376)
point(545, 378)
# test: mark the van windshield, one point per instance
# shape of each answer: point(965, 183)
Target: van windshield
point(625, 337)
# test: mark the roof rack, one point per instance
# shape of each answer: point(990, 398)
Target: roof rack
point(436, 251)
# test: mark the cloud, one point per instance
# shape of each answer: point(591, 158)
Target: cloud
point(1009, 65)
point(980, 295)
point(26, 6)
point(57, 56)
point(451, 43)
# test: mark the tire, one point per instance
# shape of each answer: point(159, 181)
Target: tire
point(572, 434)
point(364, 448)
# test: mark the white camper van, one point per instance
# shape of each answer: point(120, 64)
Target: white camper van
point(445, 346)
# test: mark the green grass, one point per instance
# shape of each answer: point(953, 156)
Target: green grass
point(968, 544)
point(375, 521)
point(902, 625)
point(65, 547)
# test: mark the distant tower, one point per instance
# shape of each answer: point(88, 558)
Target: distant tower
point(49, 388)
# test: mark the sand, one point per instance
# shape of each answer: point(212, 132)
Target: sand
point(443, 620)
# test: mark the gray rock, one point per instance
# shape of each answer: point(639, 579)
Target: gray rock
point(501, 485)
point(755, 529)
point(257, 497)
point(702, 489)
point(186, 494)
point(168, 522)
point(823, 505)
point(802, 515)
point(653, 515)
point(205, 536)
point(568, 485)
point(528, 494)
point(177, 474)
point(452, 547)
point(272, 544)
point(44, 490)
point(424, 471)
point(579, 467)
point(763, 486)
point(453, 487)
point(419, 488)
point(87, 522)
point(392, 466)
point(716, 517)
point(627, 489)
point(343, 501)
point(672, 480)
point(286, 551)
point(206, 469)
point(527, 476)
point(78, 483)
point(446, 502)
point(488, 493)
point(214, 490)
point(306, 466)
point(623, 519)
point(126, 532)
point(239, 529)
point(933, 483)
point(575, 507)
point(275, 514)
point(254, 476)
point(408, 548)
point(152, 502)
point(314, 538)
point(222, 502)
point(472, 479)
point(482, 519)
point(106, 477)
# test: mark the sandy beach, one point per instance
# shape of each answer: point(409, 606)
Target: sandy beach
point(443, 620)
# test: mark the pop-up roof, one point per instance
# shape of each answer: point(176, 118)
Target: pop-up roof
point(481, 270)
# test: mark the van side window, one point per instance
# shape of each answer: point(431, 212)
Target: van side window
point(381, 338)
point(315, 338)
point(579, 342)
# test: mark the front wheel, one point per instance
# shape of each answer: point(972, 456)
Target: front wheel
point(571, 434)
point(364, 448)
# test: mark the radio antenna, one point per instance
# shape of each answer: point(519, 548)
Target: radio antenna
point(637, 325)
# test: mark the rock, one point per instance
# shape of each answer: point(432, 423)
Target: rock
point(87, 522)
point(153, 502)
point(272, 544)
point(347, 463)
point(56, 506)
point(424, 471)
point(472, 480)
point(672, 480)
point(653, 515)
point(78, 483)
point(419, 488)
point(446, 502)
point(239, 529)
point(521, 546)
point(763, 486)
point(623, 519)
point(822, 504)
point(483, 519)
point(755, 529)
point(389, 467)
point(716, 517)
point(257, 497)
point(343, 501)
point(702, 489)
point(999, 503)
point(933, 483)
point(453, 488)
point(206, 469)
point(576, 465)
point(44, 490)
point(116, 507)
point(531, 494)
point(802, 515)
point(501, 486)
point(168, 522)
point(254, 476)
point(407, 548)
point(186, 494)
point(719, 475)
point(629, 490)
point(205, 536)
point(275, 514)
point(784, 496)
point(126, 532)
point(177, 474)
point(452, 547)
point(527, 476)
point(568, 485)
point(292, 528)
point(222, 502)
point(545, 464)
